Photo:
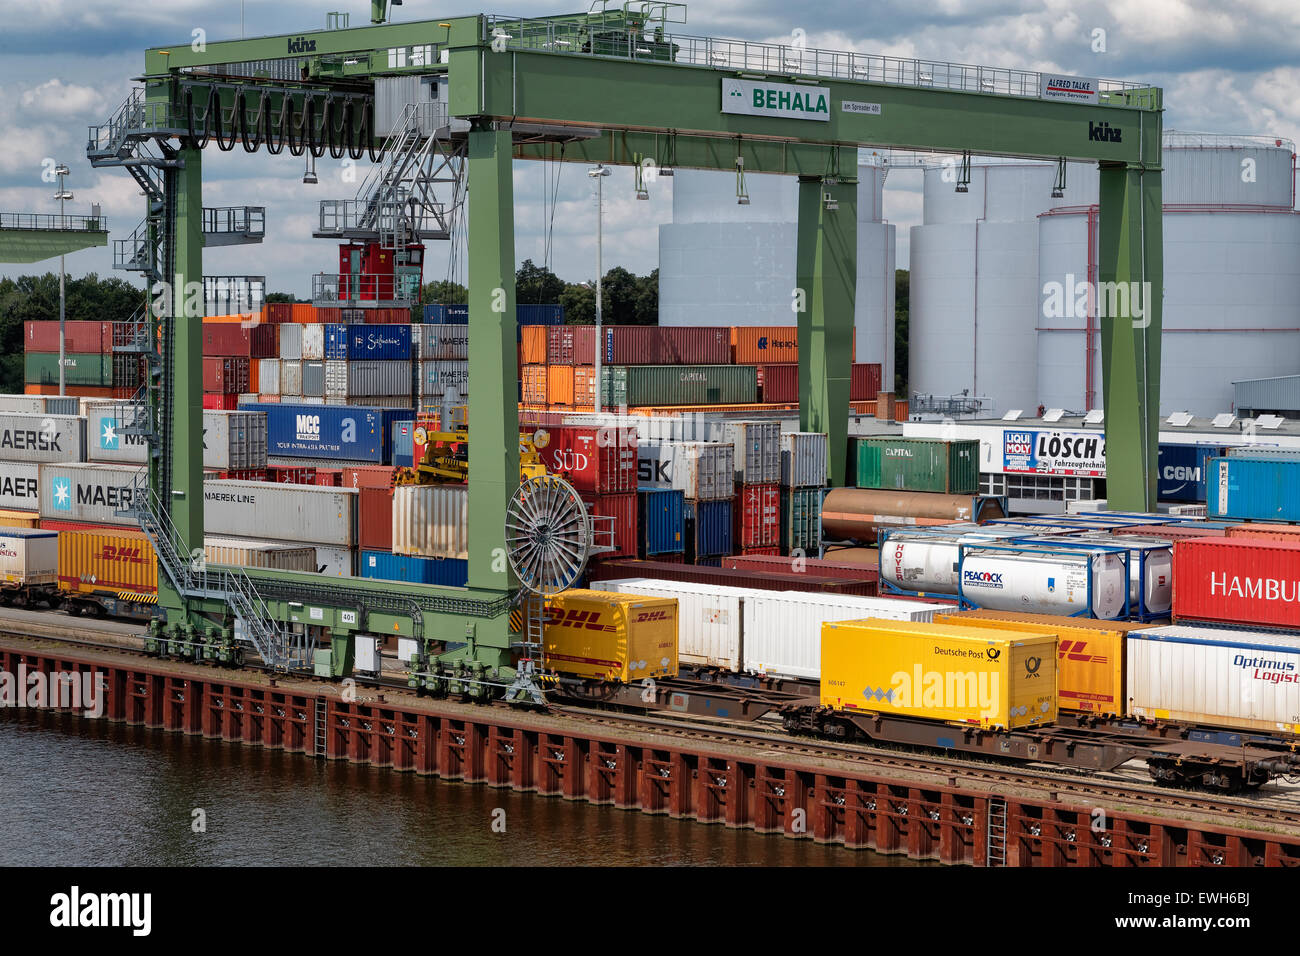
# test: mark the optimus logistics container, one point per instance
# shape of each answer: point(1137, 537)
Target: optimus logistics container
point(704, 471)
point(918, 464)
point(678, 385)
point(661, 521)
point(232, 441)
point(89, 492)
point(1046, 580)
point(1210, 675)
point(39, 437)
point(431, 521)
point(857, 514)
point(613, 637)
point(803, 459)
point(1259, 489)
point(592, 459)
point(28, 557)
point(308, 514)
point(1238, 580)
point(944, 672)
point(758, 450)
point(20, 486)
point(358, 433)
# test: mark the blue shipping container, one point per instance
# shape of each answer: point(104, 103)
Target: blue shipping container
point(386, 566)
point(708, 527)
point(390, 342)
point(403, 443)
point(446, 314)
point(344, 432)
point(548, 314)
point(1260, 489)
point(660, 516)
point(1182, 471)
point(336, 341)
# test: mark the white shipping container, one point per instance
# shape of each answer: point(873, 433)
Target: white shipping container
point(705, 471)
point(254, 553)
point(40, 437)
point(803, 459)
point(313, 379)
point(234, 440)
point(1210, 675)
point(431, 521)
point(88, 492)
point(290, 377)
point(710, 619)
point(438, 376)
point(20, 486)
point(783, 629)
point(313, 342)
point(268, 376)
point(28, 556)
point(335, 562)
point(22, 404)
point(311, 514)
point(367, 378)
point(442, 341)
point(291, 341)
point(757, 450)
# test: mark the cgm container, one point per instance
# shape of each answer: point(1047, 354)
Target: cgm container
point(431, 521)
point(28, 557)
point(592, 459)
point(801, 520)
point(783, 631)
point(1182, 470)
point(803, 459)
point(386, 566)
point(756, 516)
point(678, 385)
point(757, 450)
point(1216, 676)
point(1259, 489)
point(704, 471)
point(41, 437)
point(114, 560)
point(857, 514)
point(1238, 580)
point(661, 521)
point(253, 553)
point(918, 464)
point(708, 528)
point(444, 342)
point(614, 637)
point(357, 433)
point(1017, 577)
point(990, 678)
point(375, 342)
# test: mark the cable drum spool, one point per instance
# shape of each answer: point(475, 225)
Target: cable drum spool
point(857, 514)
point(1088, 583)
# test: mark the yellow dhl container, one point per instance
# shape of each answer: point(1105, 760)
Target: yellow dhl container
point(943, 672)
point(606, 636)
point(1089, 654)
point(19, 519)
point(99, 560)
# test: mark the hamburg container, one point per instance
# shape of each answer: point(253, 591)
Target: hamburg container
point(254, 553)
point(28, 557)
point(80, 368)
point(386, 566)
point(757, 450)
point(1236, 580)
point(778, 383)
point(622, 509)
point(819, 567)
point(1240, 679)
point(1090, 654)
point(661, 521)
point(403, 433)
point(88, 492)
point(990, 678)
point(678, 385)
point(864, 382)
point(357, 433)
point(927, 562)
point(306, 514)
point(232, 440)
point(708, 528)
point(78, 336)
point(756, 516)
point(704, 471)
point(431, 521)
point(710, 619)
point(614, 637)
point(1258, 489)
point(42, 437)
point(108, 560)
point(667, 568)
point(1015, 577)
point(375, 342)
point(291, 342)
point(601, 460)
point(766, 344)
point(918, 464)
point(857, 514)
point(803, 459)
point(268, 376)
point(444, 342)
point(438, 377)
point(1182, 470)
point(801, 520)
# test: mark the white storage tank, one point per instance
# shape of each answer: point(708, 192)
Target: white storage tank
point(1082, 583)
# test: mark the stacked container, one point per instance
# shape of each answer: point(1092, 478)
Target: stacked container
point(804, 468)
point(917, 464)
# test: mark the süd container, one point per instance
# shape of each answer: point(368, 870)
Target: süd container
point(28, 557)
point(661, 521)
point(918, 464)
point(803, 459)
point(41, 437)
point(613, 637)
point(593, 459)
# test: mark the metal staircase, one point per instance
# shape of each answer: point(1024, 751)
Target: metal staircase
point(997, 833)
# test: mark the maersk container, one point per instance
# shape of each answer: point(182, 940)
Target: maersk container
point(20, 486)
point(386, 566)
point(41, 437)
point(291, 377)
point(708, 528)
point(437, 377)
point(704, 471)
point(1214, 676)
point(232, 441)
point(918, 464)
point(678, 385)
point(336, 341)
point(379, 342)
point(28, 557)
point(801, 519)
point(1181, 471)
point(1017, 577)
point(710, 619)
point(1259, 489)
point(661, 516)
point(446, 342)
point(255, 553)
point(89, 492)
point(1238, 580)
point(268, 376)
point(308, 514)
point(758, 450)
point(342, 432)
point(803, 459)
point(431, 521)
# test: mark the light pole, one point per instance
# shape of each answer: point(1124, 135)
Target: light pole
point(599, 173)
point(63, 195)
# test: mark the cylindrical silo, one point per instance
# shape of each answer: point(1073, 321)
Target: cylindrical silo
point(1231, 278)
point(723, 263)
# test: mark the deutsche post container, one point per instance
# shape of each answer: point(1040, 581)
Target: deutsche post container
point(353, 433)
point(661, 520)
point(10, 518)
point(1238, 580)
point(1240, 679)
point(291, 342)
point(379, 342)
point(778, 384)
point(803, 459)
point(291, 377)
point(757, 450)
point(255, 553)
point(622, 510)
point(88, 492)
point(120, 561)
point(386, 566)
point(801, 520)
point(864, 382)
point(1258, 489)
point(533, 344)
point(679, 385)
point(704, 471)
point(28, 557)
point(444, 342)
point(439, 377)
point(37, 438)
point(431, 520)
point(79, 368)
point(940, 672)
point(600, 460)
point(307, 514)
point(766, 344)
point(708, 526)
point(918, 464)
point(614, 637)
point(756, 516)
point(78, 336)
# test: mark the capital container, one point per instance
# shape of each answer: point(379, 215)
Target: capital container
point(1239, 679)
point(766, 344)
point(255, 553)
point(1238, 580)
point(431, 520)
point(88, 492)
point(783, 630)
point(444, 342)
point(386, 566)
point(757, 450)
point(918, 464)
point(804, 459)
point(358, 433)
point(41, 437)
point(1257, 489)
point(661, 521)
point(78, 336)
point(801, 519)
point(592, 459)
point(120, 561)
point(708, 526)
point(704, 471)
point(614, 637)
point(678, 385)
point(858, 514)
point(989, 678)
point(79, 368)
point(309, 514)
point(756, 516)
point(710, 619)
point(778, 383)
point(1045, 580)
point(28, 557)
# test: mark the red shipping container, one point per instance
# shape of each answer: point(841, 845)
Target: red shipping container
point(329, 316)
point(374, 517)
point(864, 382)
point(756, 552)
point(666, 345)
point(778, 383)
point(291, 474)
point(329, 477)
point(622, 508)
point(1276, 532)
point(243, 474)
point(49, 524)
point(78, 336)
point(597, 460)
point(560, 344)
point(756, 516)
point(1171, 532)
point(368, 476)
point(607, 570)
point(229, 375)
point(818, 567)
point(279, 312)
point(584, 344)
point(221, 401)
point(225, 338)
point(1244, 581)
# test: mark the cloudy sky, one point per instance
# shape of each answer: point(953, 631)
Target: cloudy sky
point(1226, 67)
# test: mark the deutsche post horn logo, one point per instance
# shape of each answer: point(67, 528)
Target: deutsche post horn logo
point(1032, 664)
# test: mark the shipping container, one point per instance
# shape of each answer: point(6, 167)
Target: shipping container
point(313, 379)
point(254, 553)
point(313, 342)
point(10, 518)
point(757, 450)
point(232, 440)
point(358, 433)
point(1171, 532)
point(710, 619)
point(367, 379)
point(444, 342)
point(88, 492)
point(403, 433)
point(1182, 470)
point(386, 566)
point(229, 340)
point(1017, 577)
point(990, 678)
point(42, 437)
point(438, 377)
point(1276, 532)
point(818, 567)
point(801, 520)
point(917, 464)
point(704, 471)
point(857, 514)
point(1238, 580)
point(661, 520)
point(225, 375)
point(543, 313)
point(600, 460)
point(533, 380)
point(78, 336)
point(708, 527)
point(291, 378)
point(1258, 489)
point(336, 341)
point(756, 516)
point(291, 342)
point(1241, 679)
point(678, 385)
point(778, 383)
point(559, 385)
point(560, 344)
point(380, 342)
point(1150, 562)
point(80, 368)
point(220, 402)
point(622, 509)
point(665, 567)
point(431, 520)
point(533, 344)
point(614, 637)
point(864, 382)
point(119, 562)
point(804, 461)
point(29, 558)
point(666, 345)
point(268, 376)
point(766, 344)
point(39, 405)
point(279, 312)
point(305, 514)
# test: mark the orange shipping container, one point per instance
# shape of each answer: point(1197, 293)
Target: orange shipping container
point(19, 519)
point(121, 562)
point(304, 312)
point(766, 344)
point(559, 385)
point(532, 344)
point(584, 386)
point(1272, 532)
point(534, 381)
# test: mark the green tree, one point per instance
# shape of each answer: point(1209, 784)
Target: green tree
point(444, 292)
point(647, 299)
point(902, 312)
point(274, 297)
point(579, 301)
point(537, 285)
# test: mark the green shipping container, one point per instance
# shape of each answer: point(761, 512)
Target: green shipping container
point(80, 368)
point(918, 464)
point(801, 520)
point(679, 385)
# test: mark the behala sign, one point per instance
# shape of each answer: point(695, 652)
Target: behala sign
point(786, 100)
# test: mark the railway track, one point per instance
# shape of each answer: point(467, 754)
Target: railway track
point(1271, 807)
